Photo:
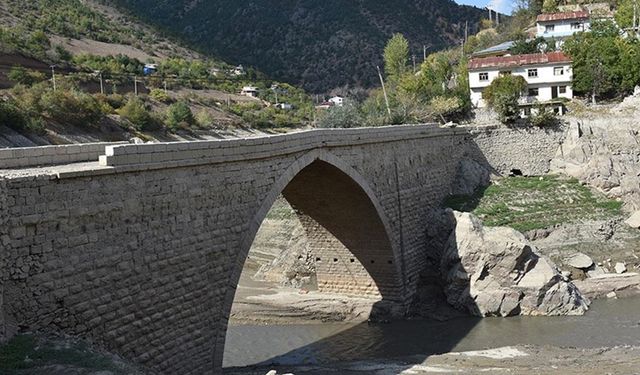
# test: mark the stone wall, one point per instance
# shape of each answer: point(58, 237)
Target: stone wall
point(526, 149)
point(143, 254)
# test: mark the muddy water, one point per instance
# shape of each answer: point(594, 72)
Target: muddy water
point(608, 323)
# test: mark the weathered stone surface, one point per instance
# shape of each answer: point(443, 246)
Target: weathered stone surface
point(604, 153)
point(471, 176)
point(634, 220)
point(579, 260)
point(620, 268)
point(142, 251)
point(495, 272)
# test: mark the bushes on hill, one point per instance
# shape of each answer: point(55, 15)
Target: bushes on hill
point(137, 114)
point(21, 75)
point(179, 116)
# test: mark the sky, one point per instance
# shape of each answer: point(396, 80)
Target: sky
point(502, 6)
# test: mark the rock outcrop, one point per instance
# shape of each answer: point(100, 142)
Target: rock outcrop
point(496, 272)
point(604, 153)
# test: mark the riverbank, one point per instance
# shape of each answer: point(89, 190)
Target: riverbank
point(522, 360)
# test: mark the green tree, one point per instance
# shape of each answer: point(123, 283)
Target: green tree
point(624, 13)
point(596, 60)
point(550, 6)
point(179, 115)
point(137, 114)
point(396, 57)
point(503, 95)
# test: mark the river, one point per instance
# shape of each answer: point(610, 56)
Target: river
point(608, 323)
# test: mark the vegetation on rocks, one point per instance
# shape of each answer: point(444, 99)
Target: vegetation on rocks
point(38, 354)
point(527, 203)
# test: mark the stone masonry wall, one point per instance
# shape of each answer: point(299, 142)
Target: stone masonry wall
point(527, 149)
point(143, 253)
point(144, 257)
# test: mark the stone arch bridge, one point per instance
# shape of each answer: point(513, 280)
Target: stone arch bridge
point(142, 251)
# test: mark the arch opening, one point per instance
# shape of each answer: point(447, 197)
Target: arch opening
point(342, 238)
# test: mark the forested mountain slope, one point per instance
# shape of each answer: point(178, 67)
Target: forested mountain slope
point(318, 44)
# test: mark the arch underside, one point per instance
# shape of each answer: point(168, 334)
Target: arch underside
point(347, 240)
point(347, 233)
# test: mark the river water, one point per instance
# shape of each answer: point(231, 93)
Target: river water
point(608, 323)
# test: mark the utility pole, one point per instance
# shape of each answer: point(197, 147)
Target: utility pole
point(384, 91)
point(636, 24)
point(424, 52)
point(53, 76)
point(135, 85)
point(466, 31)
point(101, 84)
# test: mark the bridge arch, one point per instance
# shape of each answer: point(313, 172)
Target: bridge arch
point(363, 234)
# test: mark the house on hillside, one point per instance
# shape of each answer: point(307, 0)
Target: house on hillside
point(337, 101)
point(548, 75)
point(501, 49)
point(238, 71)
point(562, 25)
point(250, 91)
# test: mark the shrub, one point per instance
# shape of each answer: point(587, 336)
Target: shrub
point(15, 118)
point(19, 74)
point(71, 107)
point(443, 107)
point(543, 118)
point(137, 114)
point(179, 115)
point(160, 96)
point(204, 119)
point(346, 116)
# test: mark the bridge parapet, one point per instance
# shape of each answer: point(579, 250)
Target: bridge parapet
point(179, 154)
point(24, 157)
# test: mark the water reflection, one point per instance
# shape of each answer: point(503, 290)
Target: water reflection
point(608, 323)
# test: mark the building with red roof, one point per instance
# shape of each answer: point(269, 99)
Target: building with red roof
point(548, 75)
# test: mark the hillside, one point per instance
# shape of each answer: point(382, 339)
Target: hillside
point(99, 88)
point(320, 45)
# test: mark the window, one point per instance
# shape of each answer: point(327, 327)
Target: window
point(532, 73)
point(484, 76)
point(576, 26)
point(562, 89)
point(505, 73)
point(558, 71)
point(549, 28)
point(534, 91)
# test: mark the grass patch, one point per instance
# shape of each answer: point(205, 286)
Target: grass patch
point(25, 353)
point(527, 203)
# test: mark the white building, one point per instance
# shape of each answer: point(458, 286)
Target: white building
point(548, 75)
point(249, 91)
point(560, 26)
point(337, 101)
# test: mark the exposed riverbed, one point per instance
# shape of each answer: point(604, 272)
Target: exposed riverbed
point(609, 324)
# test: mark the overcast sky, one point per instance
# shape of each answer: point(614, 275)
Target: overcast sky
point(503, 6)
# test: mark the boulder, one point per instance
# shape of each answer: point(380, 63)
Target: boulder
point(634, 220)
point(496, 272)
point(620, 268)
point(579, 261)
point(471, 176)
